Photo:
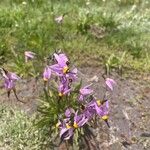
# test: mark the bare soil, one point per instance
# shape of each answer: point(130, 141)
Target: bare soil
point(129, 108)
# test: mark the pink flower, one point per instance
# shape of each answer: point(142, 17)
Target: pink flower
point(101, 108)
point(66, 129)
point(29, 55)
point(61, 59)
point(79, 120)
point(9, 82)
point(47, 73)
point(64, 89)
point(110, 83)
point(9, 79)
point(61, 67)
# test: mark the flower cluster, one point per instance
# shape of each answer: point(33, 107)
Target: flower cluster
point(88, 106)
point(61, 68)
point(81, 106)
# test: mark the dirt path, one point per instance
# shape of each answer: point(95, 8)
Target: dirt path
point(129, 109)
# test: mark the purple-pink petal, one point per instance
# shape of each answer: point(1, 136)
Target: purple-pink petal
point(57, 69)
point(80, 120)
point(81, 98)
point(67, 91)
point(86, 91)
point(72, 74)
point(29, 54)
point(9, 84)
point(47, 73)
point(13, 76)
point(69, 112)
point(66, 133)
point(110, 83)
point(61, 59)
point(103, 109)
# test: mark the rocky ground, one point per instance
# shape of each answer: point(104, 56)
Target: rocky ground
point(129, 112)
point(129, 108)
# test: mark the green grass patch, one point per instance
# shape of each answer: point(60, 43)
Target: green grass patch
point(91, 30)
point(17, 131)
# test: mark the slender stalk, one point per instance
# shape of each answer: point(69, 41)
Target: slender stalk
point(14, 90)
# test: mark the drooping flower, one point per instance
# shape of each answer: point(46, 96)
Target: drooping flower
point(29, 55)
point(66, 129)
point(63, 89)
point(13, 76)
point(66, 132)
point(110, 83)
point(84, 92)
point(61, 67)
point(67, 126)
point(79, 120)
point(96, 105)
point(47, 73)
point(9, 82)
point(9, 79)
point(104, 111)
point(101, 108)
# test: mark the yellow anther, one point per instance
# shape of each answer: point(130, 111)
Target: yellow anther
point(68, 126)
point(60, 94)
point(57, 124)
point(75, 125)
point(45, 79)
point(105, 117)
point(98, 102)
point(65, 69)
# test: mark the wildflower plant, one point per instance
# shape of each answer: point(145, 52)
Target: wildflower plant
point(68, 108)
point(10, 80)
